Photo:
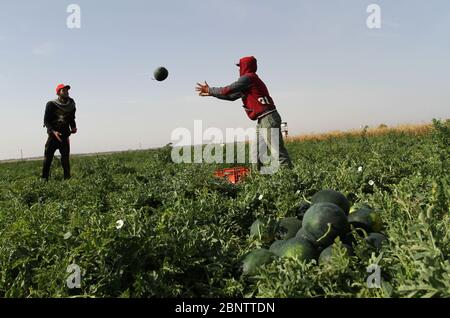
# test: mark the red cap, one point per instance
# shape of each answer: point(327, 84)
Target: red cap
point(61, 86)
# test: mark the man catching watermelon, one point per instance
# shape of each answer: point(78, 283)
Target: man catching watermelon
point(259, 107)
point(59, 119)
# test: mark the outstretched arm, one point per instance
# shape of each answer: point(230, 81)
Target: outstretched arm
point(230, 92)
point(231, 97)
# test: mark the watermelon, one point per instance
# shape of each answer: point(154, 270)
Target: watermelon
point(274, 248)
point(264, 231)
point(327, 253)
point(376, 240)
point(160, 74)
point(297, 247)
point(305, 235)
point(366, 219)
point(359, 205)
point(255, 259)
point(323, 222)
point(288, 227)
point(332, 196)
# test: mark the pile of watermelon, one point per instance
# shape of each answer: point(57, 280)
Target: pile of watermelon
point(320, 225)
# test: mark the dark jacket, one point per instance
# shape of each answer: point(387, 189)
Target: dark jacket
point(249, 87)
point(60, 117)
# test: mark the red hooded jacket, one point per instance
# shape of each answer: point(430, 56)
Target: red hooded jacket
point(249, 87)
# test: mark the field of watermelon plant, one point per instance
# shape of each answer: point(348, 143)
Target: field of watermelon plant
point(138, 225)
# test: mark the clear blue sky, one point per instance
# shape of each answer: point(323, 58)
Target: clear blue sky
point(324, 68)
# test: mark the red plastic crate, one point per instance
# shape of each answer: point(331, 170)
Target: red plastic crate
point(234, 175)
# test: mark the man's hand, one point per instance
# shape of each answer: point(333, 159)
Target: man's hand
point(74, 130)
point(57, 135)
point(203, 90)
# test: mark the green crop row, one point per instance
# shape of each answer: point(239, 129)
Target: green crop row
point(138, 225)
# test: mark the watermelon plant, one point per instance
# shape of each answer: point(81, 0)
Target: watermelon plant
point(327, 254)
point(138, 225)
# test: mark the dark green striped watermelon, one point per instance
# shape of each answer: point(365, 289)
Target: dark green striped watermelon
point(305, 235)
point(366, 219)
point(274, 248)
point(160, 74)
point(255, 260)
point(332, 196)
point(359, 205)
point(327, 253)
point(376, 240)
point(288, 227)
point(297, 248)
point(323, 222)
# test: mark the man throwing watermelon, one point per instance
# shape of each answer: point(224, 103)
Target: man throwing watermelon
point(259, 107)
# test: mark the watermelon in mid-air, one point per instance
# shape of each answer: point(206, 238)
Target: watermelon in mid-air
point(160, 74)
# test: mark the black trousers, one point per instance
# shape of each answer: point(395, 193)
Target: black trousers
point(51, 146)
